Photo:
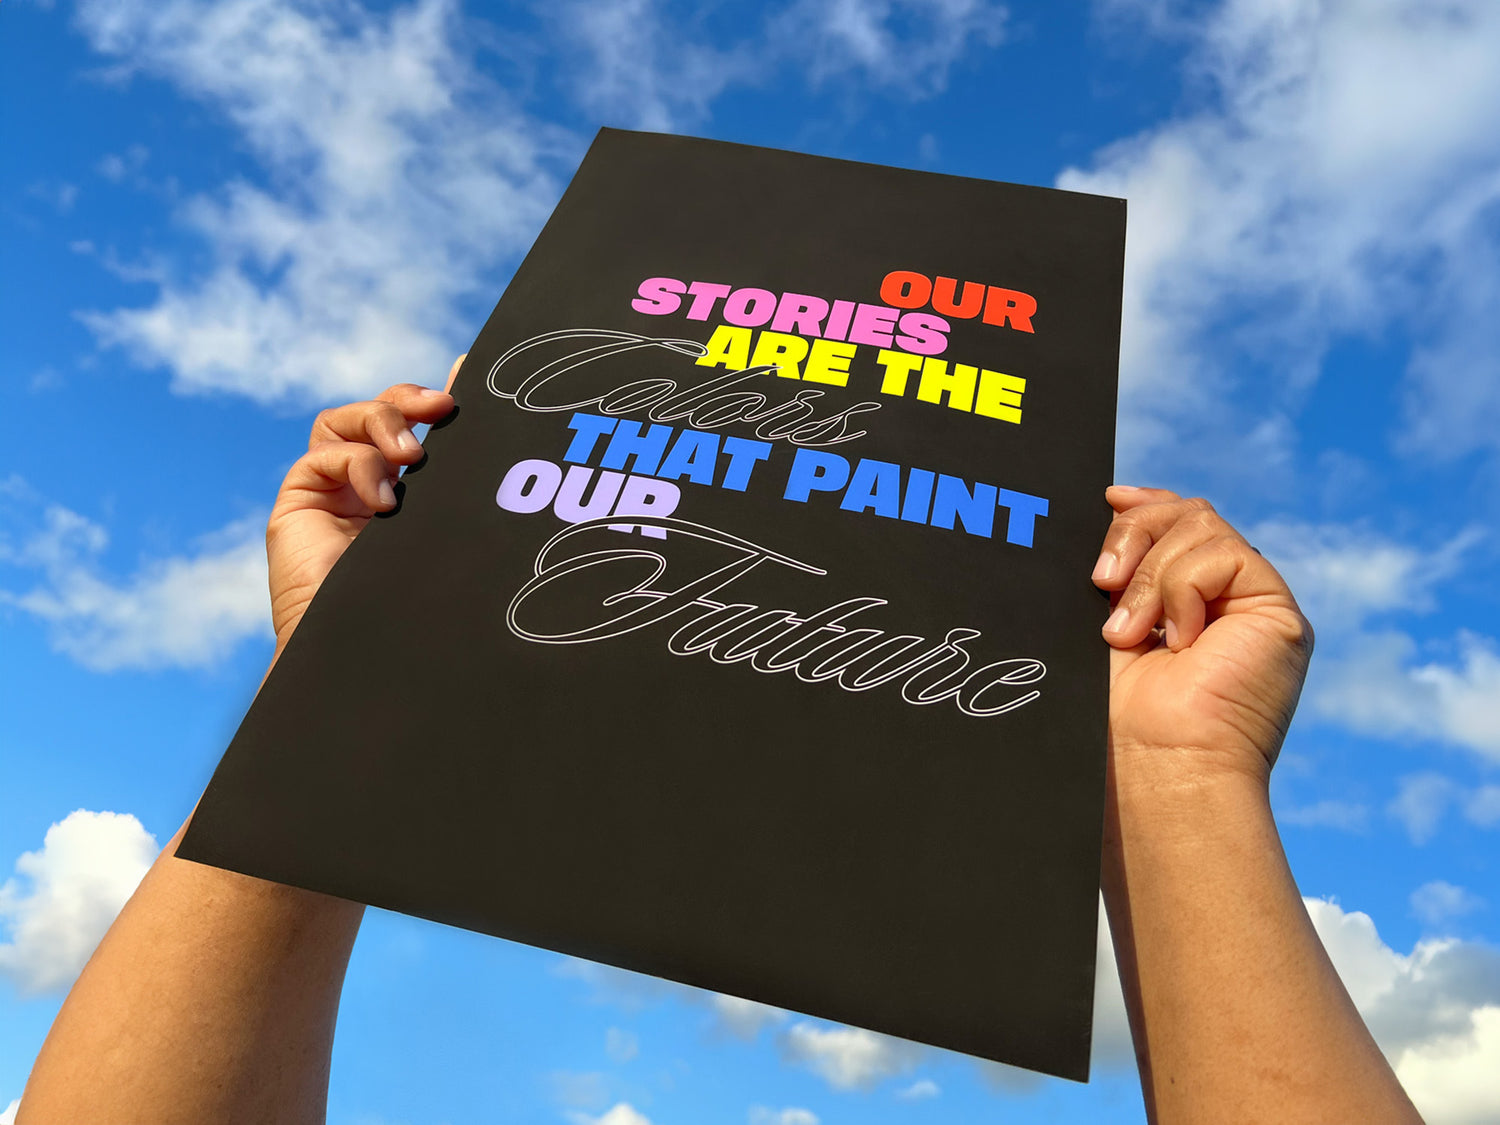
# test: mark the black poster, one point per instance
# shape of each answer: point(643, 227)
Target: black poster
point(767, 659)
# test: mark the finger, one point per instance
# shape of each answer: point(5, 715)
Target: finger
point(1216, 578)
point(330, 465)
point(1123, 497)
point(378, 423)
point(1133, 532)
point(418, 403)
point(1140, 607)
point(453, 372)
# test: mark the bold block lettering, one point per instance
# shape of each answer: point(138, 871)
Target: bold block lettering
point(958, 386)
point(975, 509)
point(570, 505)
point(905, 290)
point(743, 456)
point(729, 347)
point(966, 307)
point(814, 471)
point(873, 324)
point(838, 320)
point(627, 443)
point(749, 308)
point(923, 333)
point(659, 296)
point(798, 312)
point(528, 486)
point(828, 362)
point(898, 366)
point(999, 396)
point(778, 350)
point(587, 430)
point(875, 485)
point(1003, 305)
point(642, 496)
point(1025, 510)
point(918, 499)
point(694, 455)
point(705, 293)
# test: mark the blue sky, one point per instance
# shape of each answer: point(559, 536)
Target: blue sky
point(218, 217)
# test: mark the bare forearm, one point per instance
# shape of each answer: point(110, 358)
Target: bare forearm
point(1237, 1013)
point(212, 998)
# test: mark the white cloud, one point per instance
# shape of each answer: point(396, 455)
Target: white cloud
point(1343, 574)
point(620, 1045)
point(1440, 902)
point(652, 65)
point(1421, 802)
point(579, 1090)
point(184, 611)
point(1382, 688)
point(57, 194)
point(629, 990)
point(1483, 806)
point(63, 897)
point(1452, 1079)
point(905, 45)
point(116, 166)
point(1337, 181)
point(642, 69)
point(402, 180)
point(1435, 1012)
point(743, 1019)
point(9, 1116)
point(920, 1090)
point(849, 1058)
point(1346, 816)
point(791, 1115)
point(623, 1113)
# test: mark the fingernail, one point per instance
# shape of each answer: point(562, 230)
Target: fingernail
point(1117, 620)
point(1107, 567)
point(407, 442)
point(387, 494)
point(429, 392)
point(1127, 487)
point(1171, 631)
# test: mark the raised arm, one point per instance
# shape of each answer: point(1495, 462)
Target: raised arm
point(213, 996)
point(1236, 1011)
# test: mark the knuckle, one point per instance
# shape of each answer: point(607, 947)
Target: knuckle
point(1204, 519)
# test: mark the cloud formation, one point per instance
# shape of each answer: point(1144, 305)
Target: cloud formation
point(401, 180)
point(622, 1113)
point(1434, 1011)
point(185, 611)
point(1423, 800)
point(1384, 688)
point(62, 898)
point(1337, 179)
point(849, 1058)
point(791, 1115)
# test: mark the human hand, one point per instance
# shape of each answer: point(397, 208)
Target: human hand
point(346, 476)
point(1209, 647)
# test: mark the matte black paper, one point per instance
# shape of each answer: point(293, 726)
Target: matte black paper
point(763, 654)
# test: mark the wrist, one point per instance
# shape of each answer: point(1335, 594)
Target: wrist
point(1190, 802)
